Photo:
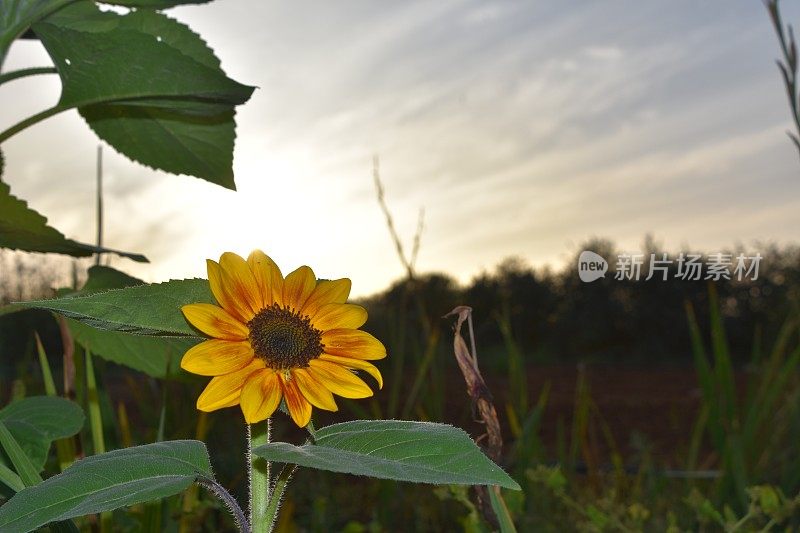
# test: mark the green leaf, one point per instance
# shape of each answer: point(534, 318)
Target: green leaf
point(104, 57)
point(419, 452)
point(147, 85)
point(144, 309)
point(16, 17)
point(171, 139)
point(501, 511)
point(10, 478)
point(108, 481)
point(22, 463)
point(37, 421)
point(22, 228)
point(155, 356)
point(154, 4)
point(102, 278)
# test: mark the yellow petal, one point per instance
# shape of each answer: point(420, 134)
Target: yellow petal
point(371, 369)
point(239, 286)
point(215, 321)
point(297, 287)
point(352, 343)
point(224, 391)
point(223, 298)
point(327, 292)
point(299, 408)
point(314, 391)
point(261, 395)
point(217, 357)
point(339, 380)
point(268, 277)
point(339, 316)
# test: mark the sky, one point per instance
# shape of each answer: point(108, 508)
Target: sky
point(523, 129)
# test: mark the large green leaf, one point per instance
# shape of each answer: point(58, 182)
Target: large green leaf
point(103, 57)
point(176, 142)
point(37, 421)
point(420, 452)
point(147, 85)
point(22, 228)
point(155, 356)
point(145, 309)
point(108, 481)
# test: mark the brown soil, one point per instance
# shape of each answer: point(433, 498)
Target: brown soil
point(655, 406)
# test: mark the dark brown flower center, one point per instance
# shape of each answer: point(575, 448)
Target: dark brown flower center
point(284, 338)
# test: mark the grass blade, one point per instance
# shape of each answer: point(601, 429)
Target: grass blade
point(10, 478)
point(96, 424)
point(500, 509)
point(27, 472)
point(65, 448)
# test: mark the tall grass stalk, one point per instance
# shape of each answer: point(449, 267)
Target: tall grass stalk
point(747, 431)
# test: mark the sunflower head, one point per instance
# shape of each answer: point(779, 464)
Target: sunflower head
point(274, 338)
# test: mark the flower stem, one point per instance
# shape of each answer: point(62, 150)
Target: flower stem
point(225, 497)
point(277, 493)
point(258, 474)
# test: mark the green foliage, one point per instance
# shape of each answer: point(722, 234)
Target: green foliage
point(22, 464)
point(155, 356)
point(103, 278)
point(768, 508)
point(17, 17)
point(144, 309)
point(177, 118)
point(22, 228)
point(108, 481)
point(154, 4)
point(419, 452)
point(145, 83)
point(748, 431)
point(10, 478)
point(569, 509)
point(501, 510)
point(37, 421)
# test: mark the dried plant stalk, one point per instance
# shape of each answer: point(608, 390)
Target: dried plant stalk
point(482, 404)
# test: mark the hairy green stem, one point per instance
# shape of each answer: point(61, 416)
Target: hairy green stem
point(30, 121)
point(22, 73)
point(230, 502)
point(258, 474)
point(277, 494)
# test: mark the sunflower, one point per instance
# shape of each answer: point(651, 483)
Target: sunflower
point(274, 338)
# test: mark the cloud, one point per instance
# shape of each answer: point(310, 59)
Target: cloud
point(522, 129)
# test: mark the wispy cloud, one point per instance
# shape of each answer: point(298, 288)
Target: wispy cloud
point(523, 129)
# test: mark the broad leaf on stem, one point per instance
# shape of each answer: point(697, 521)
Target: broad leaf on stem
point(147, 85)
point(22, 228)
point(37, 421)
point(145, 309)
point(108, 481)
point(420, 452)
point(155, 356)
